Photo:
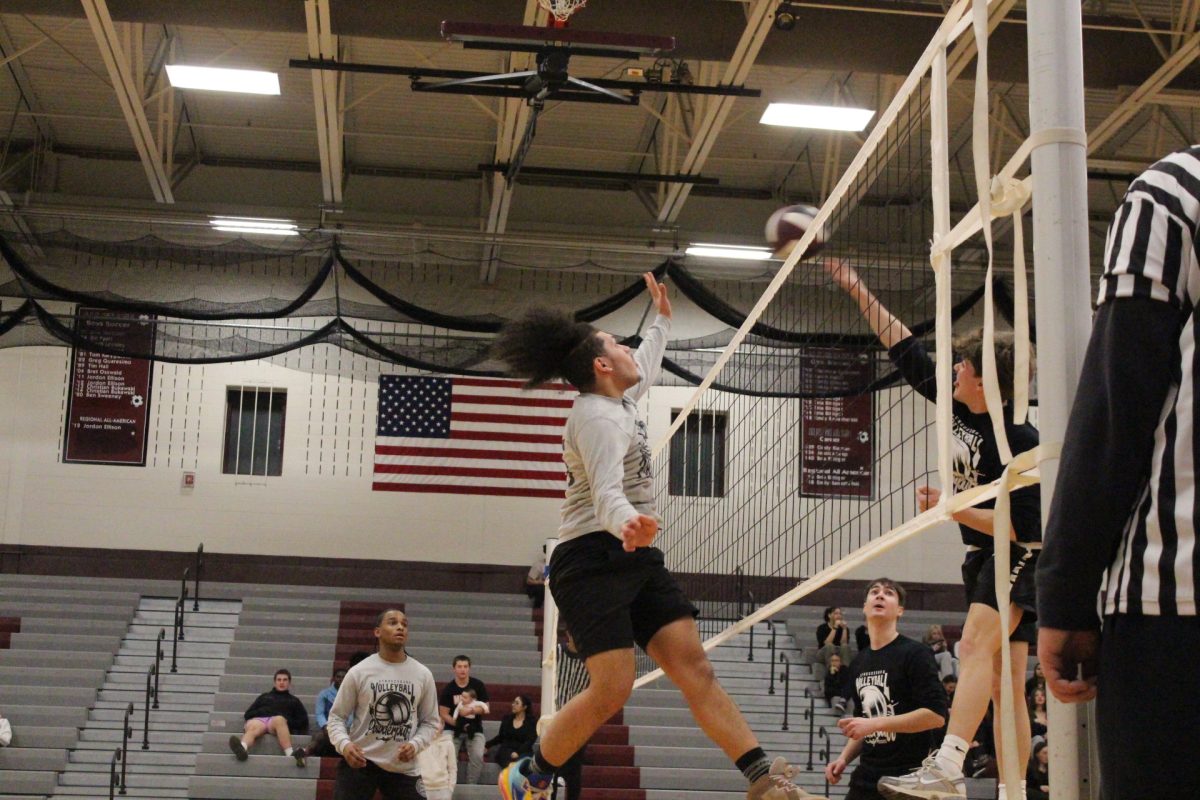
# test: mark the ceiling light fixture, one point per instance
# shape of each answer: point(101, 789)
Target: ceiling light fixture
point(264, 225)
point(828, 118)
point(217, 79)
point(728, 251)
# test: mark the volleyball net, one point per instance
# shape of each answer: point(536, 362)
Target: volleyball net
point(812, 476)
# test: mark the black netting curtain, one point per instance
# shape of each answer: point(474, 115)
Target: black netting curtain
point(192, 330)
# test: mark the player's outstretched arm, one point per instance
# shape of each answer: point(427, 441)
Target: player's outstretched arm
point(890, 329)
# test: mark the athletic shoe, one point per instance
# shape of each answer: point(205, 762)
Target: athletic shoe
point(516, 785)
point(299, 754)
point(930, 782)
point(777, 784)
point(839, 705)
point(239, 749)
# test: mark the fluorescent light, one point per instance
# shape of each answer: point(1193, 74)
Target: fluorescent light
point(215, 79)
point(829, 118)
point(265, 225)
point(728, 251)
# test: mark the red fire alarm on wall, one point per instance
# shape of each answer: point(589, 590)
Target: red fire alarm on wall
point(189, 480)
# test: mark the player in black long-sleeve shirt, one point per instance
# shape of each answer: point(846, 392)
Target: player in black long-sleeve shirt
point(977, 462)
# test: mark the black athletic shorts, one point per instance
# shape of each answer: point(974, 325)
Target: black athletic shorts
point(863, 793)
point(979, 578)
point(610, 599)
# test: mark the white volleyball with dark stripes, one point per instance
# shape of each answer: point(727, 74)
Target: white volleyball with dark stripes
point(789, 223)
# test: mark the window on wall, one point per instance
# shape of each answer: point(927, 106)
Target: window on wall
point(697, 466)
point(254, 418)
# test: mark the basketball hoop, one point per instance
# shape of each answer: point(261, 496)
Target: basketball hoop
point(562, 10)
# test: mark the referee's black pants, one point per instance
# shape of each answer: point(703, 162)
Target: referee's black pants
point(1148, 708)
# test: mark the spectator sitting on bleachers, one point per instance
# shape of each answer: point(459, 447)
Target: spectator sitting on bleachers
point(1036, 681)
point(936, 641)
point(5, 732)
point(1038, 723)
point(835, 685)
point(862, 639)
point(468, 731)
point(833, 636)
point(518, 731)
point(277, 712)
point(320, 747)
point(535, 581)
point(1037, 778)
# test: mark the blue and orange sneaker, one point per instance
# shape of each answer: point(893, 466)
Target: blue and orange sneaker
point(516, 785)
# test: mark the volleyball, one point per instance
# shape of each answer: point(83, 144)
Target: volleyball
point(789, 223)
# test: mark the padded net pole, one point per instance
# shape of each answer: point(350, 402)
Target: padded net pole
point(1060, 247)
point(549, 641)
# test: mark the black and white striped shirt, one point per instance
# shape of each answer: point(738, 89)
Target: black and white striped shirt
point(571, 677)
point(1124, 516)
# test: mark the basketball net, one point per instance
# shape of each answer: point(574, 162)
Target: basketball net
point(561, 10)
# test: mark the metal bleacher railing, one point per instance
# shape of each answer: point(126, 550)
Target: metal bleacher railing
point(113, 780)
point(196, 577)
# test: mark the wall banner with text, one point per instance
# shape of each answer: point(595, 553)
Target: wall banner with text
point(838, 440)
point(108, 400)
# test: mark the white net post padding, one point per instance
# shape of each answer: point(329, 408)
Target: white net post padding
point(940, 260)
point(1060, 239)
point(549, 642)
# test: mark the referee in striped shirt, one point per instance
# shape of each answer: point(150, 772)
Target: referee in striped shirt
point(1117, 576)
point(571, 678)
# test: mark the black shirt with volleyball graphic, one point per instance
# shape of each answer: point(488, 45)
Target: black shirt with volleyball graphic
point(976, 453)
point(893, 680)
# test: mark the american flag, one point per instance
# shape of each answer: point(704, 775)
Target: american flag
point(470, 436)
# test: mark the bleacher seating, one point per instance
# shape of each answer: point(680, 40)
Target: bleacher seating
point(653, 751)
point(56, 644)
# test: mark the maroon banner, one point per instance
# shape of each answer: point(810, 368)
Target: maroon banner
point(109, 398)
point(838, 439)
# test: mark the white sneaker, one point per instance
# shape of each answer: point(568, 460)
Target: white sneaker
point(930, 782)
point(777, 784)
point(839, 705)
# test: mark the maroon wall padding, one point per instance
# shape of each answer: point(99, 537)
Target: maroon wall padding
point(24, 559)
point(8, 626)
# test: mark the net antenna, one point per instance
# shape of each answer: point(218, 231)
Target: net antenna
point(562, 10)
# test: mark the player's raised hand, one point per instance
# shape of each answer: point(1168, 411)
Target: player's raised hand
point(658, 292)
point(638, 532)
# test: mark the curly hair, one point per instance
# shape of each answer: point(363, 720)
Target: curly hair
point(970, 346)
point(543, 344)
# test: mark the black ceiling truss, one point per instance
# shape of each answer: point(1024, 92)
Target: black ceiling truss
point(548, 80)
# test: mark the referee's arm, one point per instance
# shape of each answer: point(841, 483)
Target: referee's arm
point(1127, 373)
